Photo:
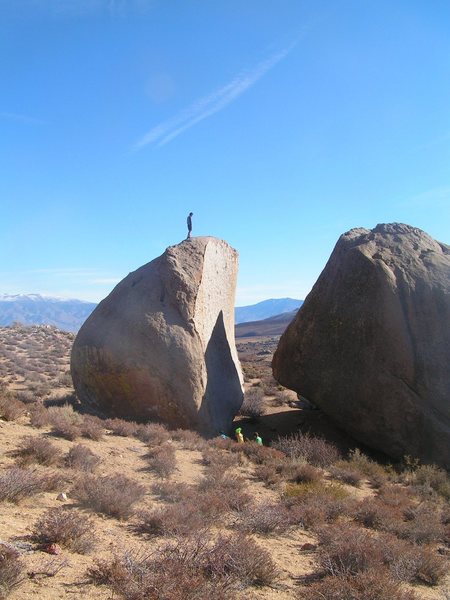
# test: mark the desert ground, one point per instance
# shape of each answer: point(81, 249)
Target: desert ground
point(104, 508)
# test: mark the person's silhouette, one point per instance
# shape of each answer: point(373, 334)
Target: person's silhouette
point(189, 224)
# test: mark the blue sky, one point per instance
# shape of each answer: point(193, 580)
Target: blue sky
point(280, 124)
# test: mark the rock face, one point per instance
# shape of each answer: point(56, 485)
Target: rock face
point(161, 345)
point(371, 344)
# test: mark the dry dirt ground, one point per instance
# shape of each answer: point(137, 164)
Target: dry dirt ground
point(126, 455)
point(64, 575)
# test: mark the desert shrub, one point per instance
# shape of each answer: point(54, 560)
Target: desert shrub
point(188, 439)
point(265, 519)
point(428, 477)
point(222, 443)
point(179, 519)
point(281, 398)
point(253, 405)
point(312, 504)
point(260, 454)
point(11, 408)
point(162, 460)
point(152, 434)
point(346, 550)
point(67, 527)
point(65, 422)
point(122, 428)
point(297, 492)
point(135, 578)
point(17, 483)
point(302, 473)
point(431, 568)
point(316, 510)
point(313, 450)
point(358, 461)
point(342, 472)
point(65, 380)
point(39, 416)
point(170, 491)
point(373, 513)
point(422, 524)
point(194, 568)
point(26, 396)
point(398, 498)
point(82, 458)
point(238, 556)
point(268, 473)
point(92, 428)
point(113, 495)
point(217, 459)
point(219, 480)
point(408, 562)
point(363, 586)
point(12, 571)
point(36, 450)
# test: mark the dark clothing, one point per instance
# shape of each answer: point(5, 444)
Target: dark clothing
point(189, 226)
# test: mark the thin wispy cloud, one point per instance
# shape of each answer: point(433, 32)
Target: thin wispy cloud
point(11, 116)
point(205, 107)
point(434, 198)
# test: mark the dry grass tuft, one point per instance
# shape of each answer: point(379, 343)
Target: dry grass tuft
point(265, 519)
point(36, 450)
point(12, 571)
point(363, 586)
point(113, 495)
point(346, 550)
point(308, 448)
point(253, 406)
point(67, 527)
point(82, 458)
point(152, 434)
point(17, 483)
point(189, 440)
point(122, 428)
point(196, 568)
point(11, 408)
point(162, 460)
point(65, 422)
point(92, 428)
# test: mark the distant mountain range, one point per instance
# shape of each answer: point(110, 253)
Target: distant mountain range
point(265, 309)
point(273, 326)
point(34, 309)
point(69, 315)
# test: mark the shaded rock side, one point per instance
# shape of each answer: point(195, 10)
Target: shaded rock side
point(161, 345)
point(371, 343)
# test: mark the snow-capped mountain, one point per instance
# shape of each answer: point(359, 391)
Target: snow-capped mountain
point(34, 309)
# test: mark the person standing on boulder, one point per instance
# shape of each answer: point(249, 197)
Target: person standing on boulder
point(189, 224)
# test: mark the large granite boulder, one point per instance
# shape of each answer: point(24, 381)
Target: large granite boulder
point(371, 343)
point(161, 345)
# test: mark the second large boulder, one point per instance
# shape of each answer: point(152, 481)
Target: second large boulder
point(371, 344)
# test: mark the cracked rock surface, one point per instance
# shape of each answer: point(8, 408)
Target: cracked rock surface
point(371, 343)
point(161, 345)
